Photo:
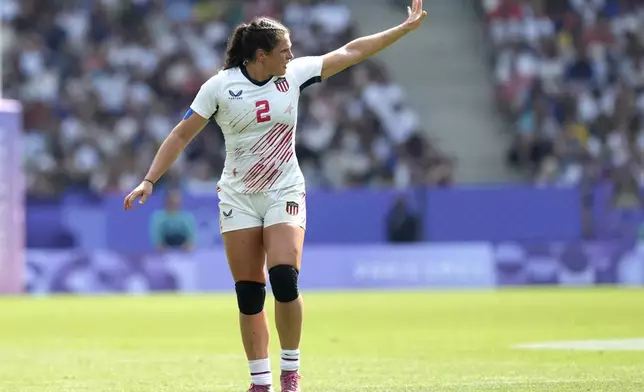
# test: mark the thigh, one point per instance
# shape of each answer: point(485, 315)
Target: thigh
point(283, 243)
point(246, 255)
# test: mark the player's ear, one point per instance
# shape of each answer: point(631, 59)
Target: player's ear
point(260, 55)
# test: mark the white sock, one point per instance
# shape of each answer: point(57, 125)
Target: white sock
point(260, 372)
point(290, 361)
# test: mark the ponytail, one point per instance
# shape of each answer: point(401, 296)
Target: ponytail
point(235, 49)
point(261, 33)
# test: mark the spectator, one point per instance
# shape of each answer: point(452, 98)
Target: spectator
point(403, 225)
point(570, 75)
point(172, 228)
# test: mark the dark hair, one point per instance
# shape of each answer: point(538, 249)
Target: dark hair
point(261, 33)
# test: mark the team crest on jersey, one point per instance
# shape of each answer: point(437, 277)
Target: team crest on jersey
point(235, 95)
point(292, 208)
point(282, 85)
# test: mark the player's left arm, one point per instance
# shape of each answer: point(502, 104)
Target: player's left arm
point(362, 48)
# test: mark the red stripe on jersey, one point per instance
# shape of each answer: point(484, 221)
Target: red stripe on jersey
point(255, 167)
point(275, 148)
point(263, 138)
point(282, 157)
point(270, 135)
point(272, 175)
point(274, 140)
point(282, 128)
point(253, 185)
point(276, 157)
point(275, 179)
point(254, 171)
point(283, 146)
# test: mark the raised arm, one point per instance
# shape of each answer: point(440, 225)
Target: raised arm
point(365, 47)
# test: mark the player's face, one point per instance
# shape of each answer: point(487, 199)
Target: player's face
point(279, 57)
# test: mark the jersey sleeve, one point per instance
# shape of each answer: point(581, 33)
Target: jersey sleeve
point(306, 70)
point(205, 102)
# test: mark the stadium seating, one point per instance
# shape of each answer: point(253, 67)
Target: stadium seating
point(103, 83)
point(569, 78)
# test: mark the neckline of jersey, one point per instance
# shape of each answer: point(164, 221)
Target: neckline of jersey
point(250, 79)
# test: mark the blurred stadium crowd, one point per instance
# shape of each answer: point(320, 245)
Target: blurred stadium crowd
point(570, 76)
point(103, 82)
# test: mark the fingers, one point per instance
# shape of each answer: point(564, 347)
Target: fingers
point(144, 197)
point(416, 6)
point(130, 199)
point(126, 202)
point(415, 13)
point(139, 192)
point(127, 205)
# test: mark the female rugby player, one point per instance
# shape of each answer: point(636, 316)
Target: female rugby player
point(254, 99)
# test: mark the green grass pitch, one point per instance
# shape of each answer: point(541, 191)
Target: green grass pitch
point(386, 341)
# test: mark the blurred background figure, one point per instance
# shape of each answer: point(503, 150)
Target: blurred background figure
point(403, 224)
point(172, 228)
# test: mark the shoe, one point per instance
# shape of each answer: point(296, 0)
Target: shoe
point(261, 388)
point(290, 382)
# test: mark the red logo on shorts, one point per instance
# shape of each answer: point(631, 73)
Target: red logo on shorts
point(292, 208)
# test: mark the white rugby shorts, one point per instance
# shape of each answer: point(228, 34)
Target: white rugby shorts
point(239, 211)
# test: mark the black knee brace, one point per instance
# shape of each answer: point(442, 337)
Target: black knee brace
point(250, 297)
point(284, 283)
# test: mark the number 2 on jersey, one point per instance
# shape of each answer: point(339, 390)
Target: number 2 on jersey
point(262, 111)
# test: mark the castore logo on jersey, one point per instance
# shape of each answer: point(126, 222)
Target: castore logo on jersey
point(235, 95)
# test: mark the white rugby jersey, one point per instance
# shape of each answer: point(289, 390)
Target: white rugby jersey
point(258, 120)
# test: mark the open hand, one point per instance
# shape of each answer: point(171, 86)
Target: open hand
point(415, 15)
point(142, 191)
